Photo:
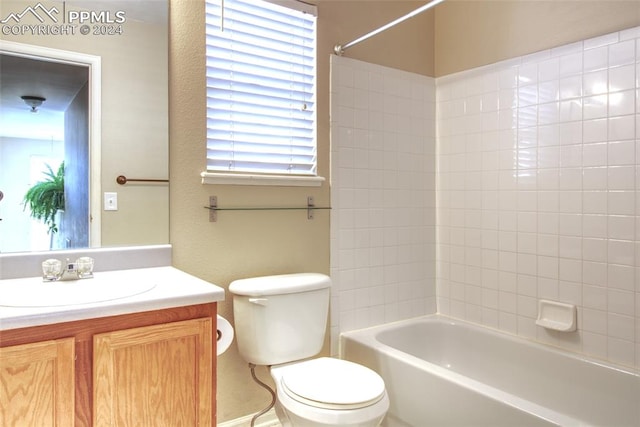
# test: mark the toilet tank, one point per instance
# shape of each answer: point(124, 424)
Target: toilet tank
point(280, 319)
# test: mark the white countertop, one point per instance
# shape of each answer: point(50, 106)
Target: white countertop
point(31, 302)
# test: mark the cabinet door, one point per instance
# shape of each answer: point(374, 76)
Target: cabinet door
point(158, 375)
point(37, 384)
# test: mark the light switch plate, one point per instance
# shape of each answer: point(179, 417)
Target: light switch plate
point(110, 201)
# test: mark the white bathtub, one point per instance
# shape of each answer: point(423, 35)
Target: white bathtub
point(444, 372)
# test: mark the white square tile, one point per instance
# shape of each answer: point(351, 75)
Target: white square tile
point(594, 226)
point(595, 273)
point(548, 288)
point(596, 82)
point(622, 303)
point(621, 252)
point(595, 155)
point(570, 157)
point(570, 133)
point(595, 202)
point(601, 41)
point(595, 297)
point(549, 135)
point(620, 351)
point(549, 157)
point(548, 113)
point(570, 270)
point(622, 103)
point(570, 225)
point(528, 73)
point(549, 69)
point(621, 277)
point(527, 307)
point(490, 101)
point(548, 91)
point(508, 261)
point(527, 242)
point(595, 131)
point(621, 177)
point(570, 247)
point(594, 250)
point(622, 78)
point(621, 202)
point(507, 302)
point(570, 110)
point(621, 153)
point(621, 227)
point(547, 248)
point(622, 53)
point(548, 201)
point(570, 292)
point(570, 87)
point(571, 201)
point(594, 321)
point(594, 107)
point(571, 64)
point(547, 267)
point(548, 223)
point(595, 59)
point(594, 344)
point(490, 81)
point(549, 179)
point(528, 116)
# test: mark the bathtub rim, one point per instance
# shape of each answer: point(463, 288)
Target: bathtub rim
point(370, 333)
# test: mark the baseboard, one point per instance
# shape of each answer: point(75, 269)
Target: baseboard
point(267, 420)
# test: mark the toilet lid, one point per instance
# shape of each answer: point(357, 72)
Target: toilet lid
point(333, 383)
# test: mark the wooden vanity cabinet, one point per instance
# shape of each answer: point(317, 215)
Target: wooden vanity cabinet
point(36, 384)
point(147, 368)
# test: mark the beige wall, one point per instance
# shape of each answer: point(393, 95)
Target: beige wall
point(470, 34)
point(244, 244)
point(407, 46)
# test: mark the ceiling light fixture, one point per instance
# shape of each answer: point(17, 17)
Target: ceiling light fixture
point(33, 101)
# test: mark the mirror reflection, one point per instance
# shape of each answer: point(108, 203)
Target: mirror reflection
point(48, 123)
point(44, 109)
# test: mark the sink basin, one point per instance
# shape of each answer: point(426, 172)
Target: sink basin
point(77, 292)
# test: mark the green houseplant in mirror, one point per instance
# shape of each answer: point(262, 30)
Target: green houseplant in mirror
point(46, 198)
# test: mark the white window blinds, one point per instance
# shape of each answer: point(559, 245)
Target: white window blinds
point(260, 88)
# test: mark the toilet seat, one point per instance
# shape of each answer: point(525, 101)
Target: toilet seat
point(330, 383)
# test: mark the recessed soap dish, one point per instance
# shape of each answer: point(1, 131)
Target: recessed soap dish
point(556, 315)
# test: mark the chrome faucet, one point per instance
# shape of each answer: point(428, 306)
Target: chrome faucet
point(53, 270)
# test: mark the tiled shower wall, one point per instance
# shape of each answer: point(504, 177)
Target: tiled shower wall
point(536, 198)
point(538, 179)
point(382, 195)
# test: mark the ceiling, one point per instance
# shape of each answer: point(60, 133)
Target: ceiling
point(58, 83)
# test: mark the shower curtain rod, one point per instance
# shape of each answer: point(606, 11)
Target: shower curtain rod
point(339, 49)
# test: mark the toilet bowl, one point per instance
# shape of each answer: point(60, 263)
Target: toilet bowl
point(329, 392)
point(280, 321)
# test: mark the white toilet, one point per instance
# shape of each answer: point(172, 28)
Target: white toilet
point(281, 320)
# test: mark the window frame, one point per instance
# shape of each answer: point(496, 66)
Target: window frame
point(278, 179)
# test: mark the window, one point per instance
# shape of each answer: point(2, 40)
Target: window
point(261, 79)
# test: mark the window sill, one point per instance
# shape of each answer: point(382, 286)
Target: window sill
point(248, 179)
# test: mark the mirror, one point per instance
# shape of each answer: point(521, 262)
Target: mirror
point(127, 125)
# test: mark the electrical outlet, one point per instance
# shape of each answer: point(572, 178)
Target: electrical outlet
point(110, 201)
